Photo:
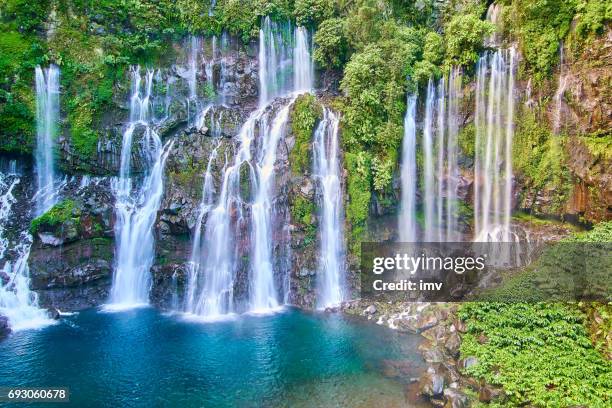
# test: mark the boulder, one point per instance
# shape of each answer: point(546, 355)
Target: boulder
point(4, 327)
point(431, 384)
point(456, 399)
point(370, 310)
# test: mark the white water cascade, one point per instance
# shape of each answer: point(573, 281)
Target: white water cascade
point(407, 218)
point(47, 122)
point(217, 252)
point(17, 302)
point(263, 293)
point(326, 171)
point(561, 86)
point(440, 159)
point(303, 64)
point(494, 120)
point(136, 207)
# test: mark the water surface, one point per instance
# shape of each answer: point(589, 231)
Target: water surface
point(142, 358)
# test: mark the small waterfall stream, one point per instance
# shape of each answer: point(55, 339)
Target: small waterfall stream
point(407, 218)
point(561, 86)
point(440, 167)
point(17, 302)
point(326, 170)
point(47, 122)
point(494, 122)
point(136, 208)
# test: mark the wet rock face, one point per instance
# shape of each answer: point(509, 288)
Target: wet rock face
point(71, 261)
point(230, 79)
point(4, 327)
point(586, 105)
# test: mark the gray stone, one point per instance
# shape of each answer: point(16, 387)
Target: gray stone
point(370, 310)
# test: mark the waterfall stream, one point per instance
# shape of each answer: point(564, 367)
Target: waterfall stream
point(440, 181)
point(284, 71)
point(136, 207)
point(407, 219)
point(47, 121)
point(17, 302)
point(326, 170)
point(494, 122)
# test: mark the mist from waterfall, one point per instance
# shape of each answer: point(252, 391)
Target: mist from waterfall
point(494, 121)
point(439, 145)
point(136, 207)
point(407, 218)
point(47, 129)
point(326, 171)
point(17, 302)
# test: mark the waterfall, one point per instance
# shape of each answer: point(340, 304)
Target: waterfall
point(47, 119)
point(283, 67)
point(17, 302)
point(494, 122)
point(303, 66)
point(193, 62)
point(558, 98)
point(407, 218)
point(440, 160)
point(218, 235)
point(326, 172)
point(452, 153)
point(429, 204)
point(263, 291)
point(136, 208)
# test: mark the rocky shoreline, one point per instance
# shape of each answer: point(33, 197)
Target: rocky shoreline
point(442, 384)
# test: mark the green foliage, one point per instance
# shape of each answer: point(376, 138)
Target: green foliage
point(25, 15)
point(467, 140)
point(602, 232)
point(304, 117)
point(540, 25)
point(332, 43)
point(599, 146)
point(58, 214)
point(540, 157)
point(592, 16)
point(464, 37)
point(311, 12)
point(303, 215)
point(359, 190)
point(541, 354)
point(19, 54)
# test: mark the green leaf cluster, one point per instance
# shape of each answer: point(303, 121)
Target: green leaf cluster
point(305, 115)
point(541, 354)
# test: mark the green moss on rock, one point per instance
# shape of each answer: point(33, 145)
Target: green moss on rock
point(305, 115)
point(60, 213)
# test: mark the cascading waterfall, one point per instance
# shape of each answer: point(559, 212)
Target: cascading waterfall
point(214, 261)
point(303, 65)
point(136, 208)
point(327, 173)
point(17, 302)
point(47, 121)
point(440, 159)
point(263, 292)
point(494, 122)
point(452, 153)
point(407, 218)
